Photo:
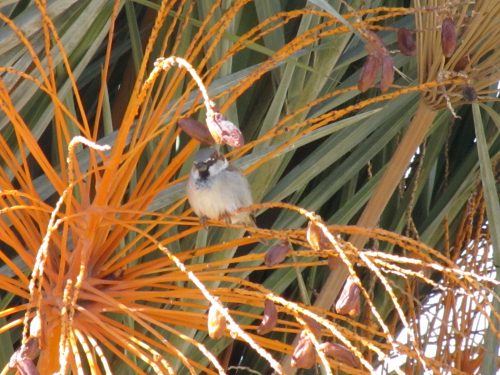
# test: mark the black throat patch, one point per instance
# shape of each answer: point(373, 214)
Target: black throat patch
point(204, 174)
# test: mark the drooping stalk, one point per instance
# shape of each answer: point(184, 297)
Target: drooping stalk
point(397, 167)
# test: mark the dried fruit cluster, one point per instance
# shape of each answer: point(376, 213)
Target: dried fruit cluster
point(276, 254)
point(378, 60)
point(196, 130)
point(408, 47)
point(304, 353)
point(224, 131)
point(269, 319)
point(217, 130)
point(349, 301)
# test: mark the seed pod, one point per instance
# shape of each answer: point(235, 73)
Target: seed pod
point(316, 238)
point(231, 135)
point(349, 302)
point(462, 63)
point(22, 358)
point(340, 353)
point(269, 318)
point(196, 130)
point(448, 36)
point(31, 349)
point(304, 355)
point(406, 42)
point(216, 323)
point(26, 367)
point(374, 44)
point(314, 326)
point(224, 131)
point(276, 254)
point(387, 73)
point(369, 73)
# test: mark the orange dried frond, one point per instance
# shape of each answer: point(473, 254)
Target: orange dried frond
point(205, 277)
point(25, 140)
point(29, 48)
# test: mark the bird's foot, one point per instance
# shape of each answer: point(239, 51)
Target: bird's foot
point(226, 217)
point(203, 221)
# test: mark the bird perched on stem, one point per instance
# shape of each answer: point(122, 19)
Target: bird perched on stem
point(216, 189)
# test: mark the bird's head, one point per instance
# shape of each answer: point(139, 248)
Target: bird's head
point(208, 162)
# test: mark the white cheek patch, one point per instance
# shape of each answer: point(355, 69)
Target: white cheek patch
point(217, 167)
point(195, 173)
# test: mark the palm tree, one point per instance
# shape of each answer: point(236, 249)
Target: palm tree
point(373, 161)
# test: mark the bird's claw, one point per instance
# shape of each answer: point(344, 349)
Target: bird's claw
point(226, 217)
point(203, 221)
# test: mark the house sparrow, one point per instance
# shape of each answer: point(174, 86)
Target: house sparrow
point(216, 189)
